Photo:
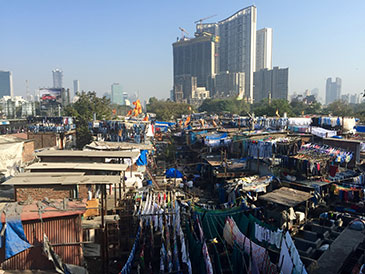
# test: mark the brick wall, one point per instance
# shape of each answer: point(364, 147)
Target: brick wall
point(38, 193)
point(28, 151)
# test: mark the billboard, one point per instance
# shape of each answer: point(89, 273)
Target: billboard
point(50, 96)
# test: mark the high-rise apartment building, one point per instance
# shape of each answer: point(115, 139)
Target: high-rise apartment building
point(333, 90)
point(193, 58)
point(271, 84)
point(76, 86)
point(57, 78)
point(6, 84)
point(264, 49)
point(117, 94)
point(237, 45)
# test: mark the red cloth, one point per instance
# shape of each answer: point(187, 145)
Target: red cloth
point(333, 170)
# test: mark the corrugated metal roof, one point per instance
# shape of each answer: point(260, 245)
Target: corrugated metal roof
point(49, 174)
point(88, 154)
point(78, 166)
point(101, 145)
point(62, 180)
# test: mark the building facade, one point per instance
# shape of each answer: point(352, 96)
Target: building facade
point(117, 94)
point(193, 59)
point(237, 45)
point(57, 78)
point(6, 84)
point(230, 84)
point(272, 84)
point(333, 90)
point(264, 49)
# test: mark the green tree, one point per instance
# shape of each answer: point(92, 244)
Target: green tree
point(230, 105)
point(299, 107)
point(270, 108)
point(83, 111)
point(168, 110)
point(340, 108)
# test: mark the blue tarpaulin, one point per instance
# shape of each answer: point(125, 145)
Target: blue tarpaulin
point(15, 240)
point(163, 126)
point(142, 160)
point(173, 173)
point(360, 128)
point(194, 134)
point(216, 136)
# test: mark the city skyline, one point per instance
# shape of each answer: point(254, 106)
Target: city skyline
point(98, 52)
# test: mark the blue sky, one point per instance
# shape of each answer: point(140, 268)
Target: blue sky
point(106, 41)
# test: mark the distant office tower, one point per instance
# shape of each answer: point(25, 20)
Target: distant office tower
point(57, 78)
point(6, 84)
point(345, 98)
point(117, 94)
point(76, 86)
point(237, 45)
point(193, 58)
point(333, 90)
point(125, 98)
point(264, 49)
point(315, 92)
point(354, 99)
point(271, 84)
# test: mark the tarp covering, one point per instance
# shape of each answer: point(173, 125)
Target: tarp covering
point(173, 173)
point(142, 160)
point(10, 158)
point(360, 128)
point(193, 135)
point(163, 126)
point(15, 240)
point(216, 136)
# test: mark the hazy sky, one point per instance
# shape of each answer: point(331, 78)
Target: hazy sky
point(106, 41)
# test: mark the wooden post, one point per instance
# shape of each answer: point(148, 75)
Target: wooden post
point(123, 182)
point(102, 243)
point(306, 210)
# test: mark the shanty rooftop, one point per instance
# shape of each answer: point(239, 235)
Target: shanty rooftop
point(100, 145)
point(88, 154)
point(286, 196)
point(45, 179)
point(77, 166)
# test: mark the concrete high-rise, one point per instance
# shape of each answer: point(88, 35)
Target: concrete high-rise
point(117, 94)
point(237, 45)
point(271, 84)
point(57, 78)
point(193, 59)
point(264, 49)
point(333, 90)
point(6, 84)
point(76, 86)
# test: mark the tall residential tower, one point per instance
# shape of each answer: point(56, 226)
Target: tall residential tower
point(237, 45)
point(57, 78)
point(264, 49)
point(6, 84)
point(76, 86)
point(333, 90)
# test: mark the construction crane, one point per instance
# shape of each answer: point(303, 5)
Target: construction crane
point(203, 19)
point(182, 32)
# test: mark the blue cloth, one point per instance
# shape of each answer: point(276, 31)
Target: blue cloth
point(142, 160)
point(15, 240)
point(173, 173)
point(128, 265)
